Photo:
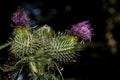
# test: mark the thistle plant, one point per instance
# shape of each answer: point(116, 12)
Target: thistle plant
point(42, 50)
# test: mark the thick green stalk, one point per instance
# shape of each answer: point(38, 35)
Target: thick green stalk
point(33, 67)
point(5, 45)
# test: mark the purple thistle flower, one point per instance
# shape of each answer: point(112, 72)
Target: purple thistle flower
point(83, 30)
point(20, 18)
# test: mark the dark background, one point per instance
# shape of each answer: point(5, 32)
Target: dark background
point(98, 62)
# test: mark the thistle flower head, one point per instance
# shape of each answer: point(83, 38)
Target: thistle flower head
point(83, 30)
point(20, 18)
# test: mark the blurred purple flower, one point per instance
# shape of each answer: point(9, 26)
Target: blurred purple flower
point(20, 18)
point(83, 30)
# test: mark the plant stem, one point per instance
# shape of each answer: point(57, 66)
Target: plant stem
point(33, 70)
point(5, 45)
point(33, 67)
